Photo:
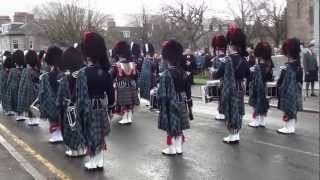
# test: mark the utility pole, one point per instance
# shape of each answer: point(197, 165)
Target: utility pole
point(316, 27)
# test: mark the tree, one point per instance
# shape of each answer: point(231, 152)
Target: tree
point(141, 22)
point(276, 22)
point(187, 19)
point(64, 23)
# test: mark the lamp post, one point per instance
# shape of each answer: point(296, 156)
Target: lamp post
point(316, 27)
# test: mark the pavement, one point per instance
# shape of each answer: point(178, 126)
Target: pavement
point(134, 151)
point(310, 104)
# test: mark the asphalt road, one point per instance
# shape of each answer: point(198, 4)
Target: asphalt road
point(134, 152)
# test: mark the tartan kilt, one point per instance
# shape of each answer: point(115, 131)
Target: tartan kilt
point(312, 76)
point(72, 138)
point(127, 96)
point(95, 129)
point(28, 92)
point(3, 81)
point(11, 94)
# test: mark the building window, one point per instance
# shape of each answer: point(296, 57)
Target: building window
point(30, 45)
point(15, 44)
point(298, 10)
point(311, 15)
point(126, 34)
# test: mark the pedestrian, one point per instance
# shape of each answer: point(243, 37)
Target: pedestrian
point(290, 86)
point(261, 73)
point(94, 98)
point(149, 72)
point(11, 93)
point(48, 93)
point(233, 71)
point(310, 66)
point(4, 73)
point(219, 45)
point(126, 71)
point(71, 126)
point(172, 98)
point(29, 86)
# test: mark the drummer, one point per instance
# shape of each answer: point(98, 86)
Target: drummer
point(260, 74)
point(219, 44)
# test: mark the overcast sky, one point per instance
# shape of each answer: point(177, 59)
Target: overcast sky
point(120, 8)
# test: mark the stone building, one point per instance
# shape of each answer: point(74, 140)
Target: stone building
point(300, 19)
point(23, 34)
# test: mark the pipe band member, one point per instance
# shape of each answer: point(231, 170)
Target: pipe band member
point(29, 86)
point(94, 98)
point(172, 96)
point(126, 82)
point(149, 72)
point(71, 124)
point(48, 93)
point(219, 45)
point(4, 73)
point(260, 73)
point(11, 94)
point(290, 86)
point(233, 71)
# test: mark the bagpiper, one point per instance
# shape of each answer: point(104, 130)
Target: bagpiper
point(29, 86)
point(7, 64)
point(11, 93)
point(233, 71)
point(261, 73)
point(172, 98)
point(48, 93)
point(126, 73)
point(149, 72)
point(94, 98)
point(290, 86)
point(71, 124)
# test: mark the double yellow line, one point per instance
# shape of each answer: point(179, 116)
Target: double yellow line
point(52, 168)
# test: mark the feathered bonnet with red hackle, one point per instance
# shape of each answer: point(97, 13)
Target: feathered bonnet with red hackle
point(237, 38)
point(219, 42)
point(122, 49)
point(93, 46)
point(172, 52)
point(263, 50)
point(291, 48)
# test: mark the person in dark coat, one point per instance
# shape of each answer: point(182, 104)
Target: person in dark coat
point(48, 93)
point(11, 94)
point(71, 124)
point(290, 86)
point(126, 73)
point(310, 66)
point(172, 98)
point(261, 73)
point(95, 98)
point(233, 71)
point(29, 86)
point(219, 45)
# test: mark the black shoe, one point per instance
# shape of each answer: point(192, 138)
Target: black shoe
point(314, 95)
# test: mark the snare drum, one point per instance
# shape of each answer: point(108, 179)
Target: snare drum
point(211, 91)
point(272, 90)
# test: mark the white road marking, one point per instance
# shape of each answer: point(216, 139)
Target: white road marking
point(22, 161)
point(287, 148)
